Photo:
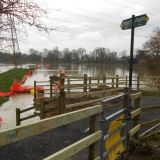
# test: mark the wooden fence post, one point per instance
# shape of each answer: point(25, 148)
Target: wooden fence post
point(126, 81)
point(117, 81)
point(138, 83)
point(158, 82)
point(42, 109)
point(137, 104)
point(98, 80)
point(90, 84)
point(93, 127)
point(18, 120)
point(68, 85)
point(85, 83)
point(35, 91)
point(104, 80)
point(113, 82)
point(62, 95)
point(51, 88)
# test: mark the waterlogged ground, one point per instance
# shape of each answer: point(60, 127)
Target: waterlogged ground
point(8, 110)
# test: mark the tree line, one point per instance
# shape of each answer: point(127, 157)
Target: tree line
point(76, 56)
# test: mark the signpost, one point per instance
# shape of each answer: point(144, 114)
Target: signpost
point(131, 23)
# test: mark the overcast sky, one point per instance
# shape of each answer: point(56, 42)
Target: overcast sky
point(92, 23)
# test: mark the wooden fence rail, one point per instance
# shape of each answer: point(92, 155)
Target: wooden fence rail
point(87, 83)
point(76, 147)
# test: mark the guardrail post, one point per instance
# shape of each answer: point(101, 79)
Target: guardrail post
point(85, 83)
point(42, 109)
point(90, 84)
point(93, 127)
point(138, 83)
point(51, 88)
point(137, 104)
point(62, 95)
point(117, 81)
point(35, 91)
point(18, 120)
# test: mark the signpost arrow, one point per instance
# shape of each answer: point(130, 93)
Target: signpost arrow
point(138, 21)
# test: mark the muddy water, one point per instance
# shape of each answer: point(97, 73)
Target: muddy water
point(22, 101)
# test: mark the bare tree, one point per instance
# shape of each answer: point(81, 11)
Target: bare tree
point(14, 15)
point(152, 46)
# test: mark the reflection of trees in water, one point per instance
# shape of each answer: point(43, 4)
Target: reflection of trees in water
point(93, 69)
point(100, 69)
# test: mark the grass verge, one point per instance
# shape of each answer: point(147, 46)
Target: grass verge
point(146, 149)
point(7, 78)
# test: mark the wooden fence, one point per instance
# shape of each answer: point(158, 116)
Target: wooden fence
point(82, 84)
point(76, 86)
point(96, 134)
point(41, 114)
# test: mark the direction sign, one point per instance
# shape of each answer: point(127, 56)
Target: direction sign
point(138, 21)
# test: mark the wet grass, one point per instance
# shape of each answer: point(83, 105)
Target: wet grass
point(147, 149)
point(7, 78)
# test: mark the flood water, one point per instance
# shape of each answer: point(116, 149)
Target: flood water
point(5, 67)
point(22, 101)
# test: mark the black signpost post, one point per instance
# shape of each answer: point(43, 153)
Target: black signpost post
point(131, 23)
point(131, 53)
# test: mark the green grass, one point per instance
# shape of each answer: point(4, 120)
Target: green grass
point(7, 78)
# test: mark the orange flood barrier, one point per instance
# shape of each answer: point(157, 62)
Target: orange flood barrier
point(6, 94)
point(17, 87)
